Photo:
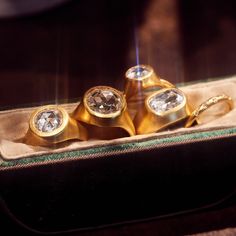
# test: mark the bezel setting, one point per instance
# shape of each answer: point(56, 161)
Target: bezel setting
point(166, 101)
point(114, 102)
point(62, 114)
point(139, 72)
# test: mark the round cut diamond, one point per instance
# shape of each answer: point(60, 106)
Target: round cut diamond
point(165, 101)
point(138, 72)
point(49, 120)
point(104, 101)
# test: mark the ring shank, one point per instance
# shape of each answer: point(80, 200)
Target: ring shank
point(207, 104)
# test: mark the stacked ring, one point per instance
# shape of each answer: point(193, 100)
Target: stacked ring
point(104, 113)
point(162, 109)
point(140, 80)
point(51, 124)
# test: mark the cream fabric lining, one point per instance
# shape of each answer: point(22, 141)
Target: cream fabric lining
point(14, 123)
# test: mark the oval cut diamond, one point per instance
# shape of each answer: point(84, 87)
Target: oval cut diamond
point(48, 120)
point(165, 101)
point(104, 101)
point(138, 72)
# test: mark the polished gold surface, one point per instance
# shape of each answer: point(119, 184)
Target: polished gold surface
point(67, 129)
point(148, 120)
point(105, 125)
point(194, 116)
point(138, 84)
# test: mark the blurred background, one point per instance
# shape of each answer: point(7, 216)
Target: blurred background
point(53, 51)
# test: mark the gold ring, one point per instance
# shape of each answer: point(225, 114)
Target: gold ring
point(193, 118)
point(140, 80)
point(162, 109)
point(51, 124)
point(104, 112)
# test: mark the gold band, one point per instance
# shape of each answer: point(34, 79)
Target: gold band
point(104, 111)
point(207, 104)
point(50, 125)
point(162, 109)
point(140, 80)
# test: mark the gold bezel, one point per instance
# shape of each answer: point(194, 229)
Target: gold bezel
point(141, 78)
point(98, 114)
point(173, 110)
point(57, 131)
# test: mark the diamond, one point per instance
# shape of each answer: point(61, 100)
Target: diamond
point(104, 101)
point(137, 72)
point(165, 101)
point(49, 120)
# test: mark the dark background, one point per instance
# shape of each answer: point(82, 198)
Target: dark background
point(57, 54)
